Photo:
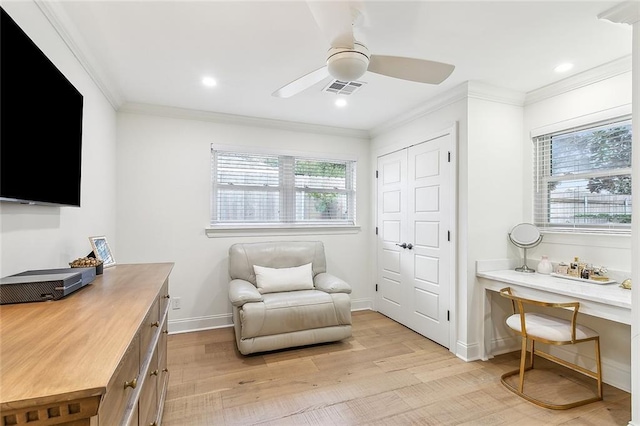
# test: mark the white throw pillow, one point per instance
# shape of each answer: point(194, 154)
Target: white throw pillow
point(272, 280)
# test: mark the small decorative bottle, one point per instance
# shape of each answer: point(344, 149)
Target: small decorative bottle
point(545, 266)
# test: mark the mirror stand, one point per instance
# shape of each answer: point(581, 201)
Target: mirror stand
point(524, 267)
point(525, 236)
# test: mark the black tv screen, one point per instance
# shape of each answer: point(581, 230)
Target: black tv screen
point(40, 124)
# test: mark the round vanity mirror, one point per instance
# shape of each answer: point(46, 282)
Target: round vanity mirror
point(525, 236)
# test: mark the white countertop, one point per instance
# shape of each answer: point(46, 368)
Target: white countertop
point(609, 294)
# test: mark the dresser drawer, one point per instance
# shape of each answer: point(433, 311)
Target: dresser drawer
point(163, 299)
point(148, 405)
point(150, 326)
point(121, 386)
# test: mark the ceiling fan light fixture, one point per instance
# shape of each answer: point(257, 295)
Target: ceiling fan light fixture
point(348, 64)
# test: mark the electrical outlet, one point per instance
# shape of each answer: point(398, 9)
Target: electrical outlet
point(175, 303)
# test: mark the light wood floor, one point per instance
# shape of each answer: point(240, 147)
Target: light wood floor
point(385, 374)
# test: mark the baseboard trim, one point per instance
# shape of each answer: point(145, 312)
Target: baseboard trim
point(467, 352)
point(187, 325)
point(361, 304)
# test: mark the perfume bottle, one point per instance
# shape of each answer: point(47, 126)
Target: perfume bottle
point(573, 268)
point(545, 266)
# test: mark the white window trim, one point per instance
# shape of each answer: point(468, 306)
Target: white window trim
point(284, 229)
point(583, 120)
point(228, 231)
point(291, 153)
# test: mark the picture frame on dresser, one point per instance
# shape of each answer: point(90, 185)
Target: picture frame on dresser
point(102, 250)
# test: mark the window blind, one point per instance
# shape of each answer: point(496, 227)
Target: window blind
point(582, 178)
point(281, 189)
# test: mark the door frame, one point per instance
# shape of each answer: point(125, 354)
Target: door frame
point(453, 205)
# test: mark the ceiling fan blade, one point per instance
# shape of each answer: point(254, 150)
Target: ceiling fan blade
point(302, 83)
point(335, 20)
point(411, 69)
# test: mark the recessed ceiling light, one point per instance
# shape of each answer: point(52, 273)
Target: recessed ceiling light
point(209, 81)
point(341, 102)
point(563, 67)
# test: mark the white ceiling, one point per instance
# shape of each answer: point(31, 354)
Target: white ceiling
point(156, 52)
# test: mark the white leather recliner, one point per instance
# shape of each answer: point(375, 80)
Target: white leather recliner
point(283, 297)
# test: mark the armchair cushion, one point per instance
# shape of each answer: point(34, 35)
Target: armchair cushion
point(241, 292)
point(330, 284)
point(274, 280)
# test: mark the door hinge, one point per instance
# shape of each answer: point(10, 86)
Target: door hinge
point(448, 156)
point(448, 316)
point(376, 287)
point(376, 230)
point(376, 174)
point(448, 235)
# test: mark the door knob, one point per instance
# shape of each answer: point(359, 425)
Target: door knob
point(405, 246)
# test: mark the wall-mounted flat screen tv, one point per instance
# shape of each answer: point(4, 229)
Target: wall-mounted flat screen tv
point(40, 124)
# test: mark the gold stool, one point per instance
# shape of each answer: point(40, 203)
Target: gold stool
point(553, 331)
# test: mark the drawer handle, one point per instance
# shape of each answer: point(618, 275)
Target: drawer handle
point(166, 296)
point(132, 384)
point(153, 373)
point(153, 424)
point(165, 331)
point(155, 324)
point(165, 370)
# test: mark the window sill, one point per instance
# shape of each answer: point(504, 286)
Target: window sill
point(588, 239)
point(244, 231)
point(599, 232)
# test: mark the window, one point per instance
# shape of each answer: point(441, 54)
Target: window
point(264, 189)
point(582, 178)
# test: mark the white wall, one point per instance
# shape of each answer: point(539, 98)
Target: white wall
point(164, 175)
point(494, 198)
point(39, 237)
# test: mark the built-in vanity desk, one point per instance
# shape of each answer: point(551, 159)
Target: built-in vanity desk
point(608, 301)
point(96, 357)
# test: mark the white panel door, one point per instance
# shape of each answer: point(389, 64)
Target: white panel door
point(414, 219)
point(428, 223)
point(392, 212)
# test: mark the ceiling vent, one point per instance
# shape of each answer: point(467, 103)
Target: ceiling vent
point(338, 87)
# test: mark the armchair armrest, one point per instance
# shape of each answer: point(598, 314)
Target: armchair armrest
point(330, 284)
point(241, 292)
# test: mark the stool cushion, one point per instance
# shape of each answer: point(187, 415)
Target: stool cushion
point(549, 327)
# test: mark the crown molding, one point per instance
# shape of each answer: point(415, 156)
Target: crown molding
point(583, 79)
point(241, 120)
point(486, 92)
point(445, 99)
point(627, 12)
point(466, 90)
point(63, 25)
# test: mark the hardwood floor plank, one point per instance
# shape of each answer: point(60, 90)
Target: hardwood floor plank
point(385, 374)
point(205, 409)
point(320, 397)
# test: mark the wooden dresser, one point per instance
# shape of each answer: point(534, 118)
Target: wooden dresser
point(95, 357)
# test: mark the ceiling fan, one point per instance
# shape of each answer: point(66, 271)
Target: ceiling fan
point(349, 59)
